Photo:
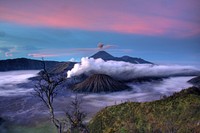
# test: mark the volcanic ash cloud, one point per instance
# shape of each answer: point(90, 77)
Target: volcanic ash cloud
point(126, 71)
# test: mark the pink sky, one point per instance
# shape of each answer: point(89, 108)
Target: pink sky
point(179, 18)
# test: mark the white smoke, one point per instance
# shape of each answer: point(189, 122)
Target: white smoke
point(125, 71)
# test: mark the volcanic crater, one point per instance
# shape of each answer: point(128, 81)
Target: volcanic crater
point(100, 83)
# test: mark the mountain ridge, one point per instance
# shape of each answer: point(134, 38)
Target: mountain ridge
point(25, 64)
point(58, 67)
point(106, 57)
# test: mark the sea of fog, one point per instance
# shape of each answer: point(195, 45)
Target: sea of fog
point(145, 91)
point(9, 82)
point(17, 103)
point(141, 92)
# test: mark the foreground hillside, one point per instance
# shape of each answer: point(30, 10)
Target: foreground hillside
point(177, 113)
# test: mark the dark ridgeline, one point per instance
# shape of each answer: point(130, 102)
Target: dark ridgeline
point(100, 83)
point(24, 64)
point(59, 67)
point(106, 57)
point(195, 81)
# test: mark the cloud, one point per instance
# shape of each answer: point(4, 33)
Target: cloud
point(40, 55)
point(67, 52)
point(8, 51)
point(58, 52)
point(178, 18)
point(100, 45)
point(9, 82)
point(126, 71)
point(73, 60)
point(8, 54)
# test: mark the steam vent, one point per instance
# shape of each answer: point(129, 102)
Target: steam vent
point(100, 83)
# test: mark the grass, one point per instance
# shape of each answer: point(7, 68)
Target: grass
point(41, 128)
point(177, 113)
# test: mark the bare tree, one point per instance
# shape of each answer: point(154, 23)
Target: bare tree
point(46, 90)
point(76, 116)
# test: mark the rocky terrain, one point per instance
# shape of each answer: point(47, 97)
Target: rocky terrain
point(25, 113)
point(100, 83)
point(61, 67)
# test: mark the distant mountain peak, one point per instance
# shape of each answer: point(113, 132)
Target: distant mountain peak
point(106, 56)
point(102, 54)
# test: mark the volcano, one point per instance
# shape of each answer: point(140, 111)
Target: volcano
point(100, 83)
point(106, 57)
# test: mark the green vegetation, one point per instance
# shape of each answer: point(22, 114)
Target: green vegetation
point(40, 128)
point(177, 113)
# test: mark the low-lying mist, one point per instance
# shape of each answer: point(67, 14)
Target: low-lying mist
point(126, 71)
point(17, 103)
point(9, 82)
point(141, 92)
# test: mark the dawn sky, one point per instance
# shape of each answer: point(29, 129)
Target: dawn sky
point(161, 31)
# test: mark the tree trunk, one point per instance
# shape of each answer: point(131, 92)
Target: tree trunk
point(54, 121)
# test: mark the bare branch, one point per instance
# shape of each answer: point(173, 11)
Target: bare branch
point(46, 90)
point(76, 116)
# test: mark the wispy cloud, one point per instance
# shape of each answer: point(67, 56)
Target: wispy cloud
point(37, 55)
point(74, 51)
point(8, 51)
point(178, 18)
point(73, 60)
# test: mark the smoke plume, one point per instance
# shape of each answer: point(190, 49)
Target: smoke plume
point(100, 45)
point(125, 71)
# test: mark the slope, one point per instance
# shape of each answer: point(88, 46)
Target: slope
point(177, 113)
point(100, 83)
point(106, 56)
